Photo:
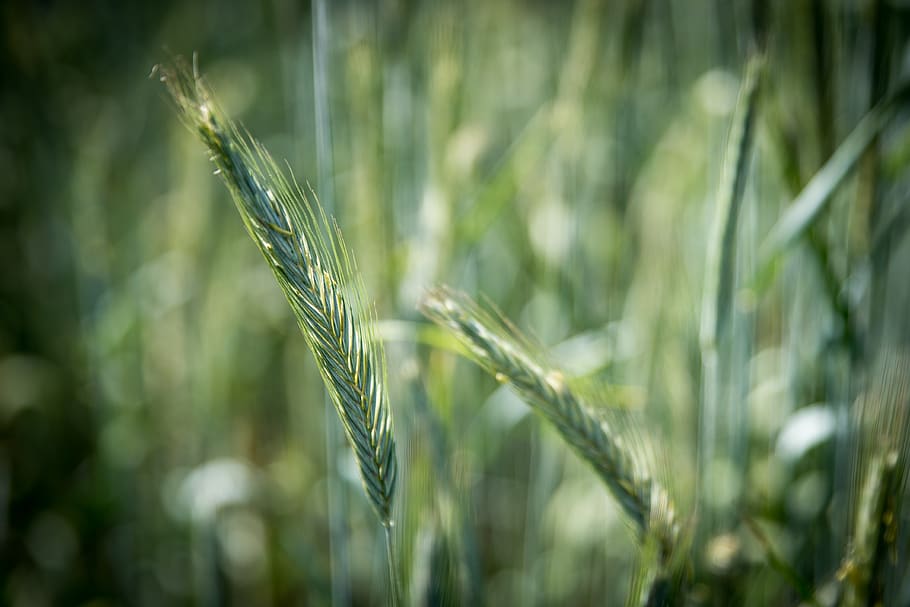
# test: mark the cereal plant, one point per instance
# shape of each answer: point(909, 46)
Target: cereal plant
point(618, 317)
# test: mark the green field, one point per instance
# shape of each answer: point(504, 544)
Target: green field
point(620, 316)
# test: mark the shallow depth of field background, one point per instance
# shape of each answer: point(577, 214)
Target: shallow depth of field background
point(163, 430)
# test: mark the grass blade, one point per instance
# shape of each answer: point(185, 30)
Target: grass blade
point(718, 295)
point(812, 199)
point(722, 253)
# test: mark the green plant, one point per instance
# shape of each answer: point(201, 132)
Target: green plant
point(881, 469)
point(612, 448)
point(691, 286)
point(316, 273)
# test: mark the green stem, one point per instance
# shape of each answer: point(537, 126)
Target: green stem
point(394, 588)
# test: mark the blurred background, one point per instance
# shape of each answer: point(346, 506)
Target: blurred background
point(164, 437)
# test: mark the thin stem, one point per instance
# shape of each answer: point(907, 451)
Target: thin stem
point(394, 588)
point(338, 541)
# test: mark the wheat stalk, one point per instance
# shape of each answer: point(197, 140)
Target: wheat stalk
point(498, 347)
point(724, 423)
point(314, 269)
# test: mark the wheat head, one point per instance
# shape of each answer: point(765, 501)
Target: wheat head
point(316, 273)
point(881, 477)
point(499, 348)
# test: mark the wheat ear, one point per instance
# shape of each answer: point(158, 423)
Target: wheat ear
point(881, 478)
point(314, 269)
point(499, 348)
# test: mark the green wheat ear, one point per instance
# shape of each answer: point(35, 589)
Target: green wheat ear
point(510, 358)
point(881, 477)
point(317, 274)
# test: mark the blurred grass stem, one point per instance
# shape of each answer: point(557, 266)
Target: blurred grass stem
point(337, 504)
